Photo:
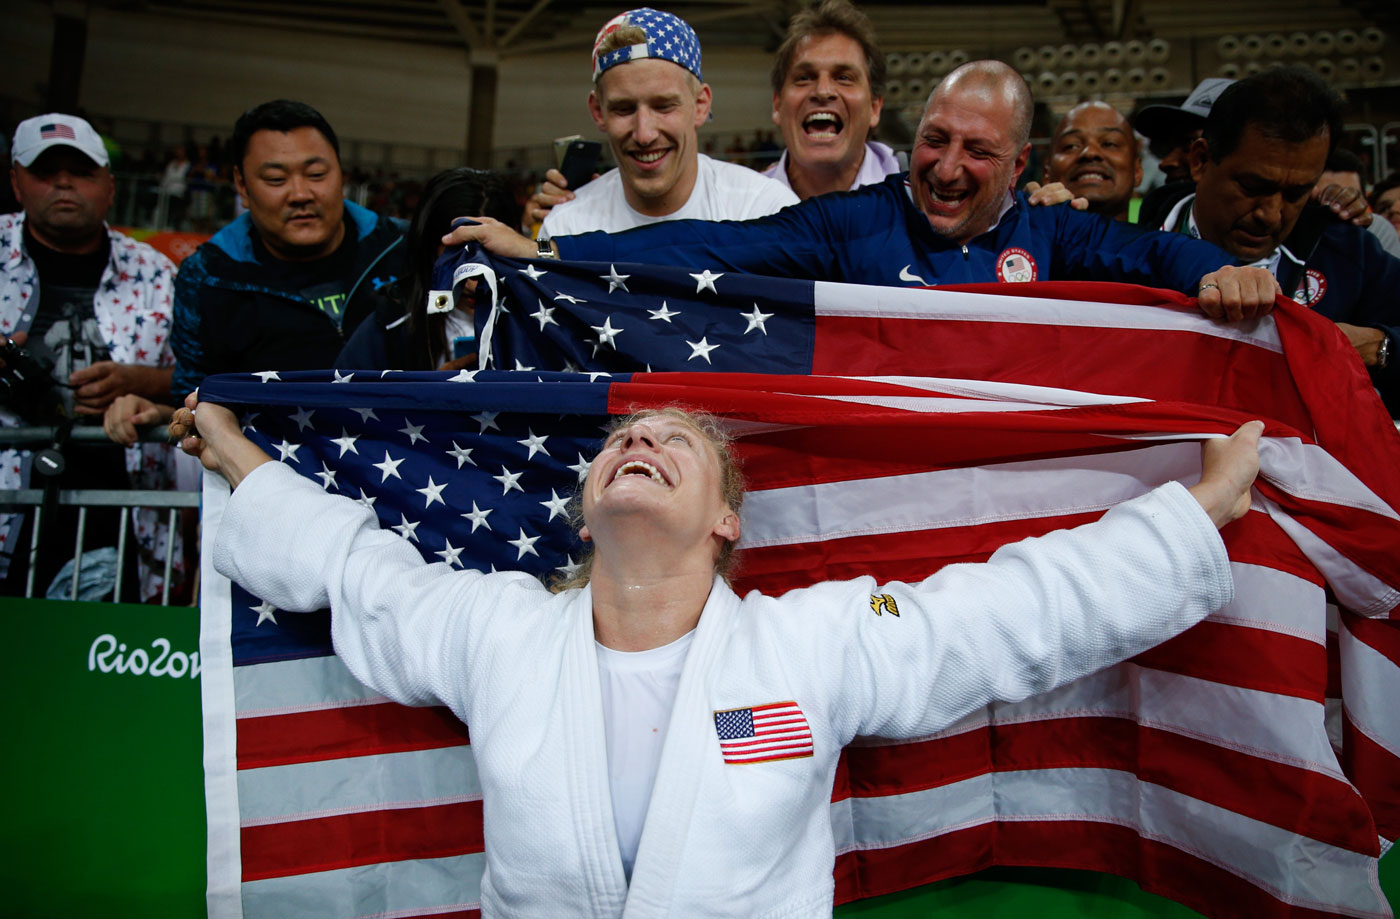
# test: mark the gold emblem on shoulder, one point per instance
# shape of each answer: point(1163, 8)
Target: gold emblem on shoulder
point(883, 603)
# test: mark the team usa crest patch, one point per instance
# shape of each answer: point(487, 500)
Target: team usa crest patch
point(1015, 266)
point(763, 733)
point(1313, 288)
point(884, 603)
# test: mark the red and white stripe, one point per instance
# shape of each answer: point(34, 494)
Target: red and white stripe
point(780, 731)
point(1203, 769)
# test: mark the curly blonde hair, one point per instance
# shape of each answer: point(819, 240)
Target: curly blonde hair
point(731, 487)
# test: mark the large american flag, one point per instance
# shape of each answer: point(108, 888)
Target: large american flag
point(1250, 767)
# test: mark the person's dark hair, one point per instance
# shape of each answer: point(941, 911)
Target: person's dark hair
point(1343, 160)
point(1289, 103)
point(831, 17)
point(1383, 186)
point(278, 115)
point(453, 193)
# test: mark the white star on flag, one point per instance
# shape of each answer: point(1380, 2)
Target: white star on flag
point(509, 480)
point(523, 545)
point(286, 450)
point(701, 348)
point(521, 367)
point(614, 279)
point(487, 420)
point(405, 529)
point(342, 378)
point(593, 375)
point(569, 567)
point(346, 442)
point(450, 554)
point(461, 454)
point(664, 313)
point(581, 467)
point(390, 467)
point(606, 333)
point(365, 499)
point(534, 443)
point(756, 320)
point(365, 413)
point(267, 375)
point(303, 418)
point(569, 298)
point(265, 611)
point(433, 492)
point(533, 273)
point(327, 477)
point(478, 517)
point(705, 279)
point(463, 376)
point(414, 432)
point(544, 316)
point(557, 505)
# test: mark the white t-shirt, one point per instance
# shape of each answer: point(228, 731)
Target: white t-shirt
point(639, 690)
point(723, 191)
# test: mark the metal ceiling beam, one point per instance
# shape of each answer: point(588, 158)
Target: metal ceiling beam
point(462, 22)
point(523, 22)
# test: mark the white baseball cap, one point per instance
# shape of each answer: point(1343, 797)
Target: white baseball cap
point(37, 134)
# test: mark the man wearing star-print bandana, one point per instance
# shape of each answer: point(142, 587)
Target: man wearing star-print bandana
point(649, 98)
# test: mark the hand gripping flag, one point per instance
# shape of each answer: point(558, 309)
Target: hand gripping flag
point(1250, 767)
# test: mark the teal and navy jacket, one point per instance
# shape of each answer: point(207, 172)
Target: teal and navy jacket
point(230, 316)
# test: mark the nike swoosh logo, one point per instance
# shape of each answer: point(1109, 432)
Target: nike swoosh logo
point(904, 275)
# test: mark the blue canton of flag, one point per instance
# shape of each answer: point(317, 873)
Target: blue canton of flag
point(474, 487)
point(551, 315)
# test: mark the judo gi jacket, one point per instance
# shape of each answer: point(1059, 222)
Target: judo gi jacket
point(725, 835)
point(877, 235)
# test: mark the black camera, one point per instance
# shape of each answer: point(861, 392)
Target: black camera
point(27, 386)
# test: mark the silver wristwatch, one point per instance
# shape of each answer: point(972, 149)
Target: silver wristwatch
point(1383, 353)
point(545, 248)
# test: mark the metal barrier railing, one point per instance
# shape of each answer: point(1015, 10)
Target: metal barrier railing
point(173, 501)
point(92, 436)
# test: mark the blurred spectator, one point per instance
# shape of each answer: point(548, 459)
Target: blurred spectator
point(1094, 153)
point(828, 84)
point(173, 189)
point(200, 181)
point(284, 285)
point(406, 332)
point(1343, 172)
point(1385, 198)
point(649, 99)
point(1264, 146)
point(1171, 129)
point(91, 307)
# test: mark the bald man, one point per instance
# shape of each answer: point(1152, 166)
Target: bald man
point(953, 219)
point(1094, 153)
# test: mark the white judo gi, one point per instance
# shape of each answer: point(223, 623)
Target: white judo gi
point(721, 838)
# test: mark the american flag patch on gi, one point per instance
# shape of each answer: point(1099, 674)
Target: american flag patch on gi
point(763, 733)
point(56, 130)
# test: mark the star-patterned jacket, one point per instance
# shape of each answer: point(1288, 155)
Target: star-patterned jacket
point(133, 307)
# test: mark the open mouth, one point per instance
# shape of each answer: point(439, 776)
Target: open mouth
point(822, 125)
point(947, 200)
point(641, 468)
point(648, 158)
point(1093, 176)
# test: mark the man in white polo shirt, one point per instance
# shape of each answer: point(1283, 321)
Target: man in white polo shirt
point(649, 98)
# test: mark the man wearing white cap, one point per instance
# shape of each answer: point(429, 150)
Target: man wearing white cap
point(649, 98)
point(88, 303)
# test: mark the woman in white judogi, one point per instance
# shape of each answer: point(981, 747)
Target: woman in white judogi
point(650, 744)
